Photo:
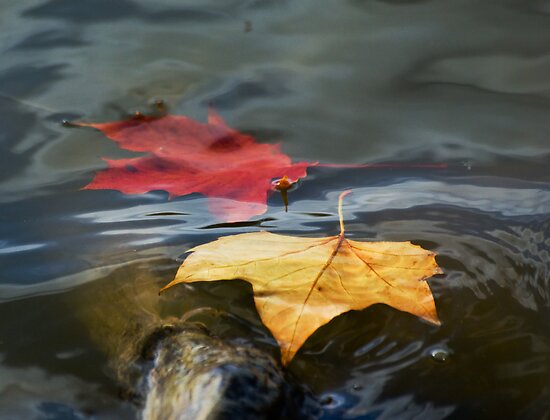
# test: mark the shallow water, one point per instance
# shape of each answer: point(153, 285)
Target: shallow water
point(459, 82)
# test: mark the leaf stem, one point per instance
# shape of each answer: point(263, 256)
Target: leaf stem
point(340, 215)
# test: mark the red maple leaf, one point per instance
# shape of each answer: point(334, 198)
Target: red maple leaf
point(185, 156)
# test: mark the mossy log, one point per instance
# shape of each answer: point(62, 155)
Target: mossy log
point(176, 369)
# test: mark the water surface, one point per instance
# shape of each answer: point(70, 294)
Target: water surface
point(459, 82)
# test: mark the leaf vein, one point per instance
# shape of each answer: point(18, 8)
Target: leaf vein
point(276, 256)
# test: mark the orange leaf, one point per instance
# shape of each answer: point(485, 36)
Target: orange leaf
point(300, 283)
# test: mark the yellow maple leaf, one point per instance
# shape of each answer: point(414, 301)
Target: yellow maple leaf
point(301, 283)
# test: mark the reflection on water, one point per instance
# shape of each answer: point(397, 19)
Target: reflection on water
point(454, 81)
point(31, 392)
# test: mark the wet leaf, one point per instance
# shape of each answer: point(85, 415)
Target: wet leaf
point(301, 283)
point(184, 156)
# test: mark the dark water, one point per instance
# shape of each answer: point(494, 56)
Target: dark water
point(461, 82)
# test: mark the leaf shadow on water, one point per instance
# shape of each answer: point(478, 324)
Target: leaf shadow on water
point(237, 225)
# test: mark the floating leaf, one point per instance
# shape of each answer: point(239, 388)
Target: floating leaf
point(301, 283)
point(185, 156)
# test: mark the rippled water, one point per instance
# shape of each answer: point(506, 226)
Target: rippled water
point(459, 82)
